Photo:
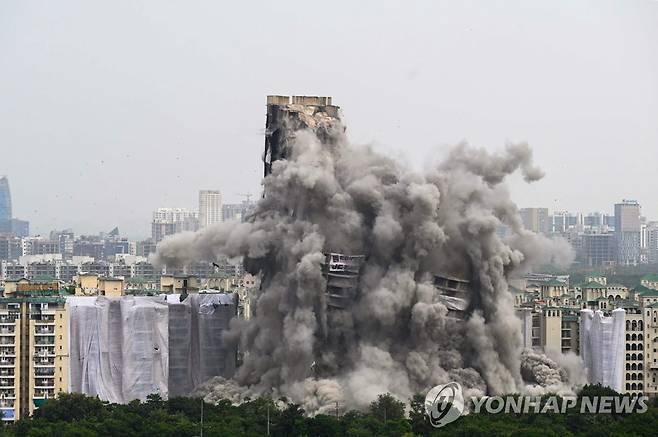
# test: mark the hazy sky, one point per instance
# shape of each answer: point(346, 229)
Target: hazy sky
point(109, 110)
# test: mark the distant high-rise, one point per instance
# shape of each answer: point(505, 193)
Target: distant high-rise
point(169, 221)
point(562, 221)
point(628, 232)
point(210, 207)
point(535, 219)
point(5, 199)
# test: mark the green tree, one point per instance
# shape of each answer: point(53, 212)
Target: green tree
point(386, 407)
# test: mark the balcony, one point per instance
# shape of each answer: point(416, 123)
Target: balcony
point(45, 320)
point(44, 393)
point(7, 331)
point(45, 341)
point(43, 383)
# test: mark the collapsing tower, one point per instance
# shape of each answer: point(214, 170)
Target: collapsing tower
point(342, 275)
point(286, 115)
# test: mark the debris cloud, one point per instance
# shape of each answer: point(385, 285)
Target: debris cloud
point(397, 335)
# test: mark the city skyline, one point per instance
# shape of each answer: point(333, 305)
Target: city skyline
point(194, 207)
point(190, 114)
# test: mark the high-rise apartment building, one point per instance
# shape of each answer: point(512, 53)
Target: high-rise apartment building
point(652, 242)
point(628, 232)
point(210, 208)
point(33, 346)
point(535, 219)
point(169, 221)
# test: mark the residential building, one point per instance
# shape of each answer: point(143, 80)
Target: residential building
point(535, 220)
point(10, 248)
point(652, 242)
point(33, 346)
point(210, 208)
point(145, 248)
point(169, 221)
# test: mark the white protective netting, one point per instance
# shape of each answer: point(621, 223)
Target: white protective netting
point(602, 347)
point(129, 347)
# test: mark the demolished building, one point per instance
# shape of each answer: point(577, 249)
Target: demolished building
point(418, 294)
point(286, 115)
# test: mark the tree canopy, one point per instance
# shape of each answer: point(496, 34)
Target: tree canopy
point(77, 415)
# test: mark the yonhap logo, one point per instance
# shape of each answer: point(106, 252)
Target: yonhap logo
point(444, 404)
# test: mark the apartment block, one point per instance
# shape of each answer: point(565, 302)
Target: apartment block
point(33, 346)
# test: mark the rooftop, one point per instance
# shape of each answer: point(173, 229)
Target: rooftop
point(593, 285)
point(645, 291)
point(651, 277)
point(555, 283)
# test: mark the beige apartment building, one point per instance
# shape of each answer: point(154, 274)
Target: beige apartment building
point(33, 348)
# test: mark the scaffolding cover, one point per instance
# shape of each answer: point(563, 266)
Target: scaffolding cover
point(602, 347)
point(129, 347)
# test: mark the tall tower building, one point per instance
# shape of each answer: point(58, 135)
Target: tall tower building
point(286, 115)
point(210, 208)
point(628, 232)
point(535, 219)
point(169, 221)
point(5, 199)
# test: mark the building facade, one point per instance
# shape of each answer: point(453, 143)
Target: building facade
point(33, 347)
point(535, 219)
point(628, 231)
point(5, 199)
point(210, 208)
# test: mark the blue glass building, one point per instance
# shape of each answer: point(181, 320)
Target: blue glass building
point(5, 199)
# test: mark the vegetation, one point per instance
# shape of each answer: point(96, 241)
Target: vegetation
point(76, 415)
point(625, 275)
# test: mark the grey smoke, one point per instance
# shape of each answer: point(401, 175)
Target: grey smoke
point(397, 336)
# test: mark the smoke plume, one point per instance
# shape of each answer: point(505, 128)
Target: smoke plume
point(397, 336)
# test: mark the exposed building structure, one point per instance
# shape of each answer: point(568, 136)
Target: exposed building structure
point(454, 294)
point(286, 115)
point(342, 274)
